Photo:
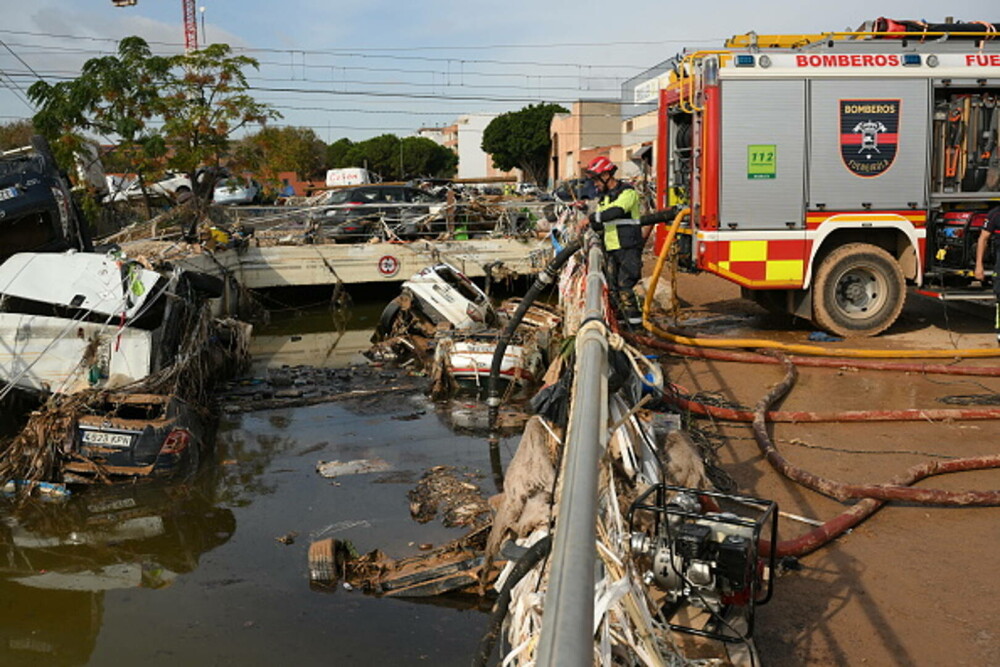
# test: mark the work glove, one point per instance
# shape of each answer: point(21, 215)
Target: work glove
point(579, 205)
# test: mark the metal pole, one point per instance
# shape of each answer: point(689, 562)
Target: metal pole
point(567, 636)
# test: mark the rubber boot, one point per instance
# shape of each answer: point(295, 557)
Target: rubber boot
point(630, 312)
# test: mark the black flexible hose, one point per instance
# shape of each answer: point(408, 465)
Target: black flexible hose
point(544, 279)
point(535, 553)
point(656, 217)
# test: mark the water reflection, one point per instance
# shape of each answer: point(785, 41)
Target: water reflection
point(81, 580)
point(320, 337)
point(61, 558)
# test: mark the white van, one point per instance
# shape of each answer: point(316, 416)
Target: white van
point(347, 176)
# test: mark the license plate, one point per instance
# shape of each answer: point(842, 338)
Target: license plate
point(107, 439)
point(8, 193)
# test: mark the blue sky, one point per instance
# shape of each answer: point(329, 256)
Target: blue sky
point(365, 68)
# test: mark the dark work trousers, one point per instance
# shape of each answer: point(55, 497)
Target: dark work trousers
point(624, 271)
point(624, 268)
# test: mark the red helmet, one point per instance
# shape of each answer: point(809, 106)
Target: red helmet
point(601, 165)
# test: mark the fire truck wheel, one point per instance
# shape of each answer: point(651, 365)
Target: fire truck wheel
point(859, 291)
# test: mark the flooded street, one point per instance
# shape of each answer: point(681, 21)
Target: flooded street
point(214, 570)
point(195, 573)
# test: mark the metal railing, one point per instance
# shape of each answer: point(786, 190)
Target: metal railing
point(567, 636)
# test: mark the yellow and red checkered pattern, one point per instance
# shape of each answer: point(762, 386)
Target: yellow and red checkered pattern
point(758, 263)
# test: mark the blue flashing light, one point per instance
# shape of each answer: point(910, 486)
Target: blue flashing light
point(744, 60)
point(911, 59)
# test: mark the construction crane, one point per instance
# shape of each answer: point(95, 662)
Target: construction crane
point(190, 22)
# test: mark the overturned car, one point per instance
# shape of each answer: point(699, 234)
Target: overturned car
point(74, 321)
point(37, 212)
point(447, 324)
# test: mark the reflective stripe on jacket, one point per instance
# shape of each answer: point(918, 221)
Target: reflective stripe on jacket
point(624, 201)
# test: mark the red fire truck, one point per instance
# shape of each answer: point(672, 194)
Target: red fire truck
point(825, 173)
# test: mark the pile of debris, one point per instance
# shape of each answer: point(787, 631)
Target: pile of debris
point(444, 324)
point(107, 330)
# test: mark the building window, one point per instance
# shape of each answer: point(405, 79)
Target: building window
point(629, 125)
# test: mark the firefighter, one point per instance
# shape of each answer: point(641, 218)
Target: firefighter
point(616, 220)
point(991, 228)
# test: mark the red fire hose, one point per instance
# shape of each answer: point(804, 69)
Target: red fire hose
point(807, 417)
point(874, 495)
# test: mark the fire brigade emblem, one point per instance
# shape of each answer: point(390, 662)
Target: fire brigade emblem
point(869, 134)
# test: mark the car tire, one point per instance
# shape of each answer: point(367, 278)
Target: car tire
point(387, 321)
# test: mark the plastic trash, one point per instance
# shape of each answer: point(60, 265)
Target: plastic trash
point(824, 337)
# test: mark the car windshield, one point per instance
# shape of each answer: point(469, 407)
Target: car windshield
point(422, 197)
point(339, 197)
point(22, 165)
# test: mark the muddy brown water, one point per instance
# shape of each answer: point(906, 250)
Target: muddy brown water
point(193, 573)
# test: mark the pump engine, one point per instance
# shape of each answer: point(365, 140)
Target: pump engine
point(700, 552)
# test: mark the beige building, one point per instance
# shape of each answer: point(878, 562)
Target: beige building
point(591, 128)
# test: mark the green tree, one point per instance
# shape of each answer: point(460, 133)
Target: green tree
point(15, 134)
point(521, 140)
point(336, 153)
point(113, 96)
point(424, 157)
point(204, 102)
point(174, 112)
point(274, 149)
point(398, 159)
point(379, 154)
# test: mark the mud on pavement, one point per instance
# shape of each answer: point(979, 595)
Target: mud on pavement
point(908, 586)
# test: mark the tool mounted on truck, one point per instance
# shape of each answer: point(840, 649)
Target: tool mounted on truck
point(827, 172)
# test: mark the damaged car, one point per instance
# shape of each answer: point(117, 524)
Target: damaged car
point(447, 323)
point(130, 355)
point(439, 295)
point(37, 212)
point(354, 215)
point(74, 321)
point(130, 436)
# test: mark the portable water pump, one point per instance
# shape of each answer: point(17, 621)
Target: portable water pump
point(700, 552)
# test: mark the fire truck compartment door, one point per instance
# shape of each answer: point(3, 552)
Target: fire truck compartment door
point(763, 154)
point(868, 144)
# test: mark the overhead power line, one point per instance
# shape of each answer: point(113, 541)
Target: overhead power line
point(406, 49)
point(386, 52)
point(12, 86)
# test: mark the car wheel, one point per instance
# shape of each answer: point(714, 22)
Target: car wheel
point(387, 321)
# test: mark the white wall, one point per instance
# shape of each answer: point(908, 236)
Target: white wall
point(472, 161)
